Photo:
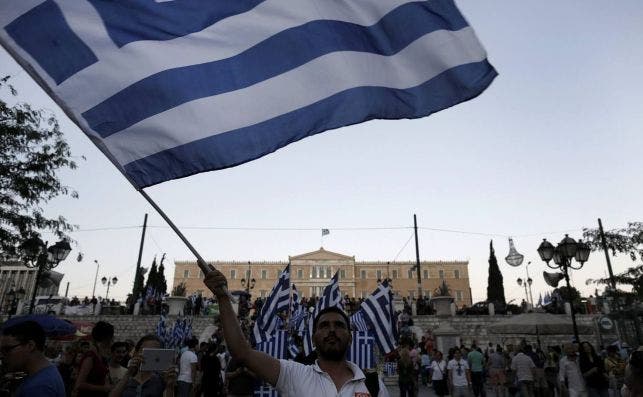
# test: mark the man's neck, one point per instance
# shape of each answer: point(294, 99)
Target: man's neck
point(334, 367)
point(36, 364)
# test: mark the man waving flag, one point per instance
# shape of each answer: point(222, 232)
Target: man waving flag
point(167, 89)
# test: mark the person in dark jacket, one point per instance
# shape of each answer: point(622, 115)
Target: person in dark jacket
point(593, 369)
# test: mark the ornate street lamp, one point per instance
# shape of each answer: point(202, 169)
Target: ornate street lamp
point(249, 283)
point(38, 255)
point(108, 282)
point(562, 256)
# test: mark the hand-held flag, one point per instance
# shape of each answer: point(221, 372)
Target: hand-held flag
point(204, 85)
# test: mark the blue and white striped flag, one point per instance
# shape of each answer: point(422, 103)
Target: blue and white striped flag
point(167, 89)
point(265, 390)
point(358, 323)
point(297, 311)
point(160, 329)
point(378, 312)
point(268, 321)
point(361, 351)
point(331, 296)
point(293, 349)
point(276, 346)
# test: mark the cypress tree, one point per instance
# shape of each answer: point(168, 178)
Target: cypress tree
point(161, 284)
point(495, 286)
point(152, 278)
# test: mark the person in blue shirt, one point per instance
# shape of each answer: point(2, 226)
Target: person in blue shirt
point(21, 349)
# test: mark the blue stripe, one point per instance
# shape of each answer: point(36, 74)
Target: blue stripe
point(349, 107)
point(276, 55)
point(44, 34)
point(133, 20)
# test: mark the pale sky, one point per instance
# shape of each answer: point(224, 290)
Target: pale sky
point(552, 145)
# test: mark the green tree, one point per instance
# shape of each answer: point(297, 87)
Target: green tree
point(495, 284)
point(153, 276)
point(32, 151)
point(627, 241)
point(161, 285)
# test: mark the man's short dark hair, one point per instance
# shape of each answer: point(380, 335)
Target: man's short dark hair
point(103, 331)
point(191, 343)
point(26, 331)
point(331, 309)
point(118, 345)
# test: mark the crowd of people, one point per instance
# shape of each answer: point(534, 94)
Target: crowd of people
point(226, 365)
point(573, 370)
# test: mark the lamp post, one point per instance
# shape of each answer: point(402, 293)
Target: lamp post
point(43, 257)
point(108, 282)
point(388, 277)
point(95, 278)
point(562, 255)
point(249, 283)
point(528, 281)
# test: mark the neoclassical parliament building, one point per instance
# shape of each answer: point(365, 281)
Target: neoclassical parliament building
point(311, 272)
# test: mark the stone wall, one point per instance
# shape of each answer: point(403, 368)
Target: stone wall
point(471, 328)
point(134, 327)
point(475, 329)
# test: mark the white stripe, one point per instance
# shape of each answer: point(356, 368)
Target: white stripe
point(88, 25)
point(321, 78)
point(10, 10)
point(119, 68)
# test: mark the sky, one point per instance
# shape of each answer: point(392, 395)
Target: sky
point(552, 145)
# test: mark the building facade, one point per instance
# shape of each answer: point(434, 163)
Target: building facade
point(14, 275)
point(311, 272)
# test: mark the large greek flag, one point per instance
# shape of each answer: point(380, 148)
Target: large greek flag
point(378, 312)
point(167, 89)
point(268, 322)
point(331, 296)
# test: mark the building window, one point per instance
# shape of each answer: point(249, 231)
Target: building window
point(186, 273)
point(456, 273)
point(264, 274)
point(300, 273)
point(412, 293)
point(379, 274)
point(263, 293)
point(201, 274)
point(411, 273)
point(342, 273)
point(394, 274)
point(458, 295)
point(441, 274)
point(233, 274)
point(426, 274)
point(328, 272)
point(363, 274)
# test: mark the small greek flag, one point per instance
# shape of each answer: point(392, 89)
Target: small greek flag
point(361, 351)
point(358, 323)
point(275, 346)
point(325, 232)
point(266, 390)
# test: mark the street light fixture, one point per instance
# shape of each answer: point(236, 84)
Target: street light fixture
point(250, 283)
point(108, 282)
point(562, 256)
point(38, 255)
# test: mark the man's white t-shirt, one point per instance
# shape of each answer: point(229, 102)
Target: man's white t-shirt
point(185, 367)
point(459, 369)
point(296, 379)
